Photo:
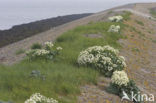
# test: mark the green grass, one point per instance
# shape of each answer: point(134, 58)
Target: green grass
point(126, 15)
point(36, 46)
point(139, 22)
point(75, 41)
point(62, 77)
point(60, 80)
point(153, 12)
point(110, 12)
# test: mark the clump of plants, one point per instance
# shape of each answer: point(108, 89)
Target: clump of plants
point(121, 85)
point(116, 18)
point(38, 98)
point(48, 51)
point(114, 28)
point(36, 46)
point(139, 22)
point(106, 59)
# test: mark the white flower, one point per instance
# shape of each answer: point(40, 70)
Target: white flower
point(120, 78)
point(114, 65)
point(30, 101)
point(95, 48)
point(114, 28)
point(118, 27)
point(59, 48)
point(41, 52)
point(105, 58)
point(85, 58)
point(110, 68)
point(116, 18)
point(123, 61)
point(111, 49)
point(122, 58)
point(49, 44)
point(37, 97)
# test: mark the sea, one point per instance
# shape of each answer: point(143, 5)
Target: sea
point(16, 12)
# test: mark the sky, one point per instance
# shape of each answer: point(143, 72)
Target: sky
point(14, 12)
point(28, 3)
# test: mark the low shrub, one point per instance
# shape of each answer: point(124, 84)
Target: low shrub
point(47, 52)
point(38, 98)
point(106, 59)
point(116, 18)
point(36, 46)
point(120, 78)
point(120, 84)
point(114, 28)
point(139, 22)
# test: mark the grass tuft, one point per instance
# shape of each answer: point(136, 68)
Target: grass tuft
point(139, 22)
point(153, 12)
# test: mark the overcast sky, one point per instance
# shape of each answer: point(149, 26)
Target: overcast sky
point(14, 12)
point(78, 0)
point(46, 3)
point(43, 1)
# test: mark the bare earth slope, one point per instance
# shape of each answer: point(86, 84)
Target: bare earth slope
point(140, 51)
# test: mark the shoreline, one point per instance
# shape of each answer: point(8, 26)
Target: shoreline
point(20, 32)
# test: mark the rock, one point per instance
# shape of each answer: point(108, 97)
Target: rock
point(35, 73)
point(6, 102)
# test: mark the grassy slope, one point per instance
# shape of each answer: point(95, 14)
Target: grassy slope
point(63, 77)
point(153, 12)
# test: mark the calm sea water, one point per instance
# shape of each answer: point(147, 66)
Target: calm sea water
point(15, 12)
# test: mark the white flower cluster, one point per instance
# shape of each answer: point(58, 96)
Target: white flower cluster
point(59, 48)
point(37, 97)
point(48, 51)
point(120, 78)
point(49, 44)
point(104, 58)
point(114, 28)
point(116, 18)
point(122, 61)
point(92, 54)
point(41, 52)
point(37, 52)
point(111, 49)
